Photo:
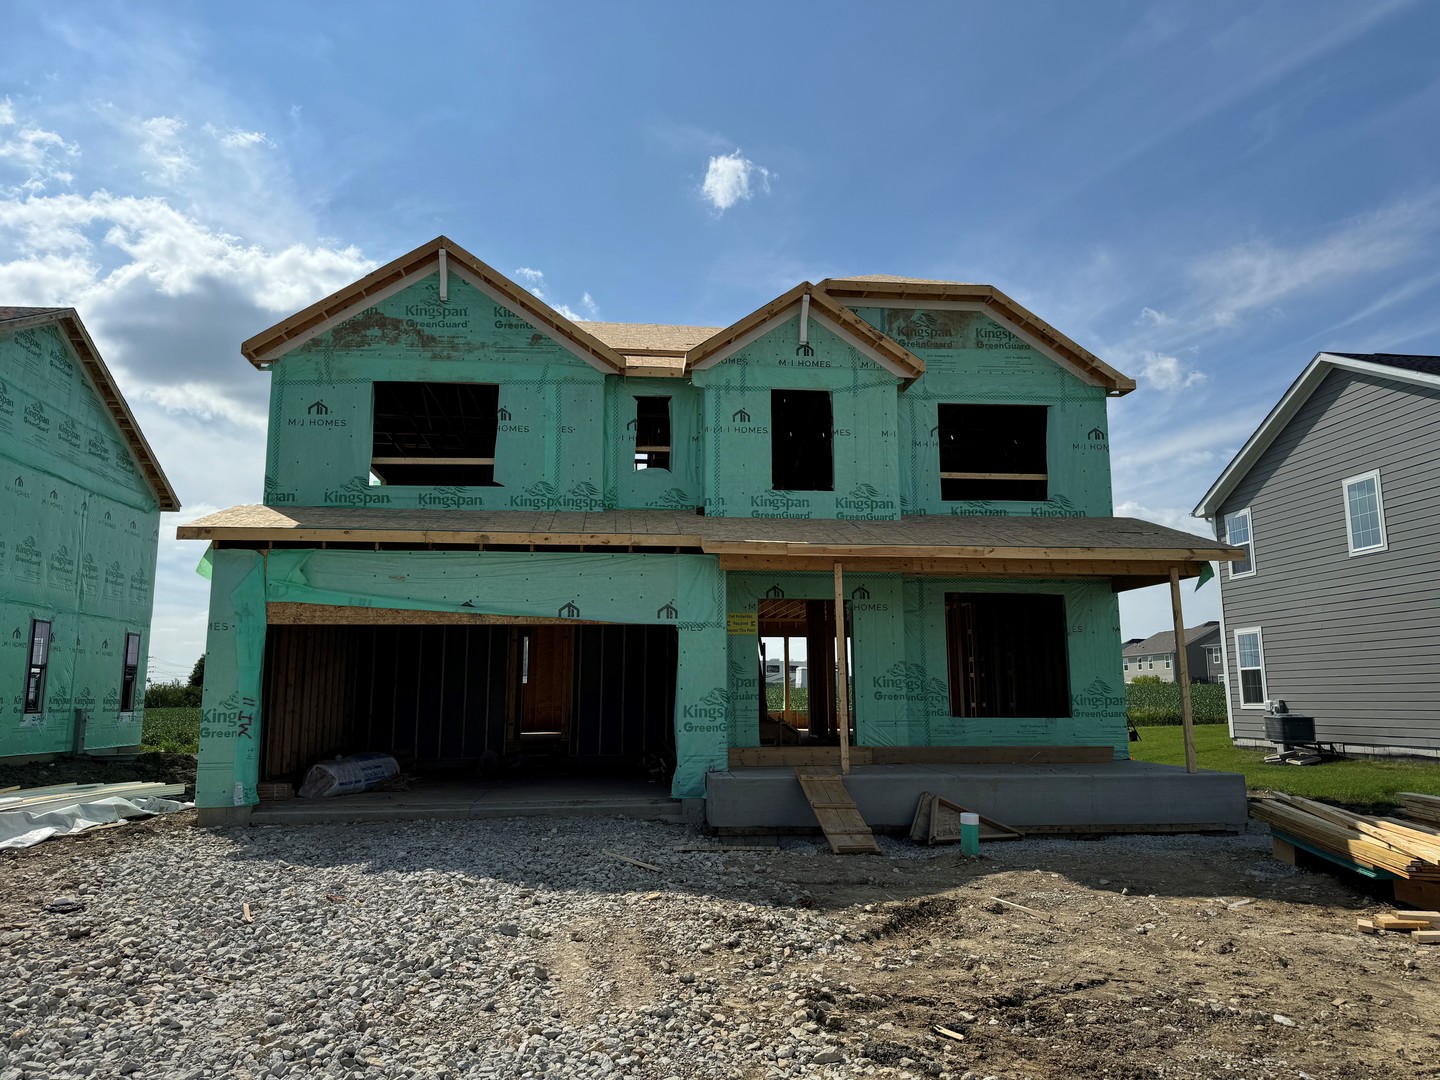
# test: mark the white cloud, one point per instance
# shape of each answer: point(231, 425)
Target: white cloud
point(7, 112)
point(1168, 373)
point(534, 280)
point(241, 140)
point(1150, 317)
point(43, 157)
point(732, 178)
point(163, 146)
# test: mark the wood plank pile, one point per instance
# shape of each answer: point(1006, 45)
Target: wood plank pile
point(1402, 848)
point(1422, 926)
point(40, 800)
point(1422, 808)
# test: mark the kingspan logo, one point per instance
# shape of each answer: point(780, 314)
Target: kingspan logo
point(713, 706)
point(114, 580)
point(7, 403)
point(62, 564)
point(69, 433)
point(979, 508)
point(778, 501)
point(546, 496)
point(98, 448)
point(84, 699)
point(449, 498)
point(357, 492)
point(1098, 699)
point(27, 557)
point(675, 499)
point(36, 416)
point(906, 681)
point(1060, 507)
point(865, 502)
point(60, 366)
point(432, 307)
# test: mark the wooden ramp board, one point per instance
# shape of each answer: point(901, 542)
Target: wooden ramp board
point(937, 821)
point(836, 811)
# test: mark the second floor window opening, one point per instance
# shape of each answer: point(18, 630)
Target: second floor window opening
point(802, 451)
point(652, 433)
point(1237, 534)
point(993, 452)
point(39, 662)
point(130, 673)
point(435, 434)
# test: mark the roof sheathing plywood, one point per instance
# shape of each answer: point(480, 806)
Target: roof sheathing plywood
point(68, 320)
point(270, 344)
point(885, 291)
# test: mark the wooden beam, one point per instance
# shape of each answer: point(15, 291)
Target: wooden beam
point(285, 613)
point(741, 757)
point(1182, 672)
point(994, 476)
point(842, 681)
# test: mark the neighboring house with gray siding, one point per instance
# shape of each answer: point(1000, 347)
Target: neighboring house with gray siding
point(1336, 609)
point(1156, 655)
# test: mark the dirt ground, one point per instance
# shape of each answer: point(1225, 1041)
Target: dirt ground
point(1140, 957)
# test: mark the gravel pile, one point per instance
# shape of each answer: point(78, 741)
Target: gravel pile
point(436, 949)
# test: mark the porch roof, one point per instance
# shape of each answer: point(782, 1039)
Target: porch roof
point(1131, 552)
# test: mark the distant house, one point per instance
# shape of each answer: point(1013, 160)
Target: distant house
point(1156, 655)
point(78, 537)
point(1336, 607)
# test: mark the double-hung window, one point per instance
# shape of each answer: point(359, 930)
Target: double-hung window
point(1364, 513)
point(1237, 534)
point(39, 662)
point(1250, 662)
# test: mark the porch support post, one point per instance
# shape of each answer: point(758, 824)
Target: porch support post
point(1182, 672)
point(842, 678)
point(785, 676)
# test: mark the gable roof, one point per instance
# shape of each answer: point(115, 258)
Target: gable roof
point(885, 351)
point(1164, 642)
point(1416, 370)
point(439, 255)
point(888, 290)
point(651, 348)
point(68, 320)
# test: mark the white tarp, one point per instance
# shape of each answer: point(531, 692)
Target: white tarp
point(25, 828)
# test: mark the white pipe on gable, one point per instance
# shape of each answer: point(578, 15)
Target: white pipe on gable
point(444, 278)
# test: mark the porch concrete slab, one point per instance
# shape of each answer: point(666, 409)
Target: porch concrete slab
point(531, 797)
point(1117, 796)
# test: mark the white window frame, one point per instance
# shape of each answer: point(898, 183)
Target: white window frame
point(1167, 663)
point(1240, 671)
point(1250, 528)
point(1373, 474)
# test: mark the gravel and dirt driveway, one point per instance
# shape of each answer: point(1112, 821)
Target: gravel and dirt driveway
point(520, 949)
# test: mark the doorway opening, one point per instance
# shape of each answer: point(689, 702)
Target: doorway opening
point(798, 689)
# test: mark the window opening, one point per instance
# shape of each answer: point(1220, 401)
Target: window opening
point(1237, 534)
point(131, 673)
point(652, 433)
point(1008, 655)
point(993, 452)
point(434, 434)
point(1250, 660)
point(39, 662)
point(1364, 514)
point(801, 443)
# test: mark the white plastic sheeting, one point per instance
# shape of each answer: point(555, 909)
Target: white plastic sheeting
point(25, 828)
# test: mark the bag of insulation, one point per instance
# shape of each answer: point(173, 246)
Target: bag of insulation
point(346, 775)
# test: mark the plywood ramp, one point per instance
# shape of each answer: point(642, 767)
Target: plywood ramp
point(836, 811)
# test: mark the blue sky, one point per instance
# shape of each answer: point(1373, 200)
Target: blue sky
point(1203, 194)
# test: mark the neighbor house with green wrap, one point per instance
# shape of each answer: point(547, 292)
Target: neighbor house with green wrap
point(83, 494)
point(496, 538)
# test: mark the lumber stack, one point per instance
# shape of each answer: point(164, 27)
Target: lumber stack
point(1423, 927)
point(41, 800)
point(1404, 849)
point(1422, 808)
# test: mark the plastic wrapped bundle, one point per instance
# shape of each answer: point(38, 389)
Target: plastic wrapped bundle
point(346, 775)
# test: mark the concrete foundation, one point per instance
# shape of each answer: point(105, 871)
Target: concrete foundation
point(1118, 796)
point(559, 796)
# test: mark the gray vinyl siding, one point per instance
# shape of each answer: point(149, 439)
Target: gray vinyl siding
point(1352, 640)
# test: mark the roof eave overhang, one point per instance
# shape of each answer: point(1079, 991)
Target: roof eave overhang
point(886, 352)
point(68, 319)
point(1284, 411)
point(1014, 316)
point(270, 345)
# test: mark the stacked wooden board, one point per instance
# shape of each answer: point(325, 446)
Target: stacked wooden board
point(836, 811)
point(38, 800)
point(1395, 848)
point(937, 821)
point(1422, 926)
point(1422, 808)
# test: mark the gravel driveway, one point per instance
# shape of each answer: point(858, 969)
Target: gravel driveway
point(520, 949)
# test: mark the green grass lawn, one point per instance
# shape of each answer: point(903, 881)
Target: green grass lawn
point(1357, 782)
point(174, 730)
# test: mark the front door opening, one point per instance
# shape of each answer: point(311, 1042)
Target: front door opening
point(798, 672)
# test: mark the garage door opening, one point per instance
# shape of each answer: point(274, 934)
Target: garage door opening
point(473, 702)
